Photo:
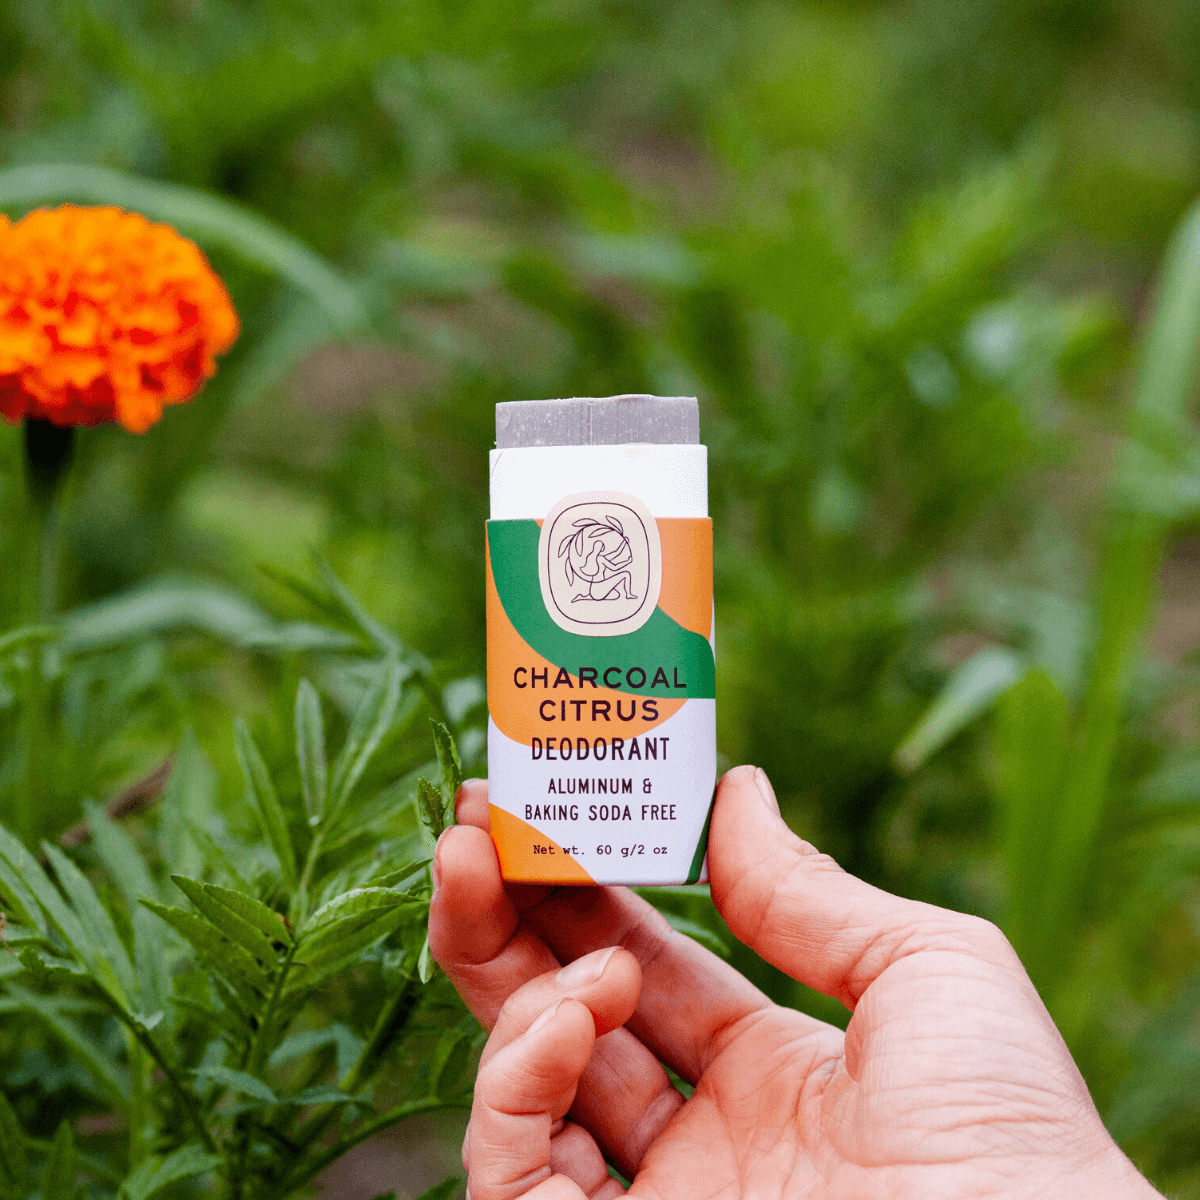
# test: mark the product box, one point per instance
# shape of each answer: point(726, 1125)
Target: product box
point(601, 698)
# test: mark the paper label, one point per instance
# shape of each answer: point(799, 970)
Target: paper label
point(602, 729)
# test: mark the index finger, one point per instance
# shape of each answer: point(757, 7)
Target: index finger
point(691, 1002)
point(625, 1098)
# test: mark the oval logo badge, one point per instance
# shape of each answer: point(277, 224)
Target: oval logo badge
point(600, 563)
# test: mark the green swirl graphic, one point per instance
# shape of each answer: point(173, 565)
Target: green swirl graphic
point(661, 642)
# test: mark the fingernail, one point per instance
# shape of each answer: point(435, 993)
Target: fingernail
point(585, 970)
point(545, 1018)
point(765, 790)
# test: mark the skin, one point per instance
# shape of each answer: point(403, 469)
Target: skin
point(950, 1081)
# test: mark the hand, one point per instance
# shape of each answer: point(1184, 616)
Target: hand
point(950, 1081)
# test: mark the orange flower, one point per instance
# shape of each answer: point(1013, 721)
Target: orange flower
point(104, 317)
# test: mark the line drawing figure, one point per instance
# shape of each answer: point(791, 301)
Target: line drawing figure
point(599, 555)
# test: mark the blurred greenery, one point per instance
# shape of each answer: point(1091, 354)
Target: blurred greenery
point(904, 253)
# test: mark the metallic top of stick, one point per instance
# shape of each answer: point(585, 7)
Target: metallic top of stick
point(598, 421)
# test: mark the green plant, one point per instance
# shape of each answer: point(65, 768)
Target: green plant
point(230, 1001)
point(895, 249)
point(1096, 807)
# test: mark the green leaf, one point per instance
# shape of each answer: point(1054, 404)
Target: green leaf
point(971, 690)
point(341, 939)
point(187, 802)
point(310, 750)
point(164, 606)
point(81, 1047)
point(47, 895)
point(449, 1059)
point(19, 901)
point(26, 635)
point(447, 756)
point(155, 990)
point(266, 920)
point(238, 1081)
point(155, 1174)
point(261, 792)
point(234, 963)
point(49, 970)
point(431, 806)
point(708, 938)
point(371, 721)
point(1126, 578)
point(1031, 742)
point(348, 1044)
point(324, 1093)
point(215, 857)
point(448, 1189)
point(58, 1179)
point(426, 964)
point(1168, 356)
point(384, 640)
point(391, 812)
point(351, 903)
point(211, 220)
point(460, 696)
point(403, 880)
point(301, 637)
point(109, 959)
point(120, 856)
point(233, 926)
point(13, 1161)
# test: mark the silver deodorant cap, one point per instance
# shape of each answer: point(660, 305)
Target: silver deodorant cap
point(599, 421)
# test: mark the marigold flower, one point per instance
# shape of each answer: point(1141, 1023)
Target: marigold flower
point(104, 316)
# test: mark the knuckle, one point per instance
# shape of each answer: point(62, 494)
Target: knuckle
point(520, 1009)
point(987, 937)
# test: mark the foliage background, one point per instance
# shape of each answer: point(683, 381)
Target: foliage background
point(901, 252)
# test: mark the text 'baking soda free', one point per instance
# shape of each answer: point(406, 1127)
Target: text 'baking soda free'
point(601, 700)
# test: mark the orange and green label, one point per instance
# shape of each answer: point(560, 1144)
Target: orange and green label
point(601, 693)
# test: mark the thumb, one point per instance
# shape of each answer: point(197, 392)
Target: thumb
point(803, 913)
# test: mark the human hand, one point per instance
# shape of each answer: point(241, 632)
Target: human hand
point(950, 1081)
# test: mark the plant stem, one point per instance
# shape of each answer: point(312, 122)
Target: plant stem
point(48, 453)
point(49, 450)
point(258, 1050)
point(185, 1098)
point(314, 851)
point(401, 1112)
point(253, 1065)
point(137, 1102)
point(395, 1012)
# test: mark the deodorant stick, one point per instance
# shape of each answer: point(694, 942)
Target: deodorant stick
point(601, 698)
